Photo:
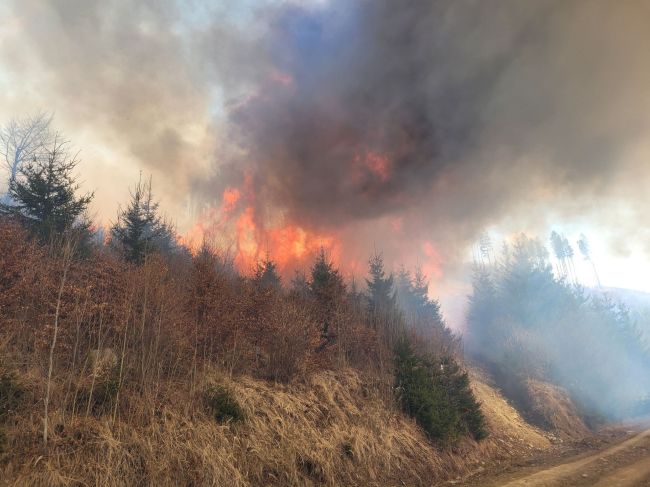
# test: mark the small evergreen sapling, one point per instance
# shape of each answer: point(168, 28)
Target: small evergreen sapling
point(43, 196)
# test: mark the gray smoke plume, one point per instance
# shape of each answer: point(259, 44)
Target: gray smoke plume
point(390, 123)
point(447, 114)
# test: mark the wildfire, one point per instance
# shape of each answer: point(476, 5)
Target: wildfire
point(237, 226)
point(290, 246)
point(432, 267)
point(374, 164)
point(230, 198)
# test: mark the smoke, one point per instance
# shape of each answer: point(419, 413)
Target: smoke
point(447, 115)
point(117, 75)
point(407, 127)
point(524, 322)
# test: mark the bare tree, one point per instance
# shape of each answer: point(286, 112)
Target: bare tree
point(560, 253)
point(24, 140)
point(564, 254)
point(585, 250)
point(486, 248)
point(68, 252)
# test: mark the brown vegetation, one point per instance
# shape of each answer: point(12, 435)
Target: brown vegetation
point(180, 371)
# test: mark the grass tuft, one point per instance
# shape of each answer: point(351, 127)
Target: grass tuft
point(222, 405)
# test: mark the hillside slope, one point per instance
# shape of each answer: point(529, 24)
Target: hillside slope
point(332, 430)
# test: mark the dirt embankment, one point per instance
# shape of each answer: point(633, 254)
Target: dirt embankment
point(333, 430)
point(616, 457)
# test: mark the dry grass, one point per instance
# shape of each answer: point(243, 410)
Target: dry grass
point(555, 410)
point(509, 430)
point(333, 429)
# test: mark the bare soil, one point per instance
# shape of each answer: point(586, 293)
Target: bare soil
point(616, 457)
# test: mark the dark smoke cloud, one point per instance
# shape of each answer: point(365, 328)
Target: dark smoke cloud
point(482, 108)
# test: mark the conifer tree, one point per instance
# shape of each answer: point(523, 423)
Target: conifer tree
point(564, 254)
point(403, 289)
point(44, 196)
point(436, 392)
point(356, 298)
point(382, 300)
point(139, 229)
point(420, 297)
point(266, 275)
point(421, 313)
point(328, 289)
point(300, 285)
point(381, 293)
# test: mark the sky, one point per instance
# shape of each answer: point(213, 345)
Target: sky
point(403, 128)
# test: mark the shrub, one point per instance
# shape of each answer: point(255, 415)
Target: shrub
point(311, 469)
point(436, 393)
point(105, 392)
point(456, 383)
point(10, 395)
point(97, 395)
point(222, 405)
point(3, 441)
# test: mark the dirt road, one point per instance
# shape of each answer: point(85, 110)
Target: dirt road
point(624, 464)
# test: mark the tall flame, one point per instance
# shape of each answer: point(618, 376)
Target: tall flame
point(290, 246)
point(237, 225)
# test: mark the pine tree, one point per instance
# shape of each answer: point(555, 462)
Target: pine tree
point(437, 394)
point(381, 294)
point(421, 313)
point(356, 298)
point(564, 254)
point(139, 229)
point(404, 290)
point(266, 275)
point(44, 197)
point(326, 282)
point(382, 299)
point(328, 290)
point(300, 285)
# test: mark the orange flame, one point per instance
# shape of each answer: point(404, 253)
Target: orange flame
point(290, 246)
point(373, 163)
point(237, 222)
point(246, 243)
point(230, 198)
point(432, 267)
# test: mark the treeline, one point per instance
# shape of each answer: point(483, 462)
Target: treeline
point(526, 323)
point(114, 322)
